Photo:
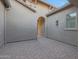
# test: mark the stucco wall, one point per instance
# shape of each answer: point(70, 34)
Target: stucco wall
point(58, 32)
point(20, 23)
point(1, 24)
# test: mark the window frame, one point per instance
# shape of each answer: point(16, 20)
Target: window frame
point(76, 23)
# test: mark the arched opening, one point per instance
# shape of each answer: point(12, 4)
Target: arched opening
point(40, 26)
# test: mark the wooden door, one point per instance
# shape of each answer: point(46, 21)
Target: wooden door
point(40, 26)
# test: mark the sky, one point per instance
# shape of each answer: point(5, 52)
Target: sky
point(57, 3)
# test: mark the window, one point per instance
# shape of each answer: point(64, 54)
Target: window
point(71, 21)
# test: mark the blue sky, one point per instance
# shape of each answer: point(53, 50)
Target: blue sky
point(57, 3)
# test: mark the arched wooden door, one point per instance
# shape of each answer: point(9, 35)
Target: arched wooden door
point(40, 26)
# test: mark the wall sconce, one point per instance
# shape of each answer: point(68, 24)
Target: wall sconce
point(6, 3)
point(24, 0)
point(57, 22)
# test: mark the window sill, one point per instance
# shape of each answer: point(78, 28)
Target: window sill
point(70, 29)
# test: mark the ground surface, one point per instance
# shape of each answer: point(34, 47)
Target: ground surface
point(42, 48)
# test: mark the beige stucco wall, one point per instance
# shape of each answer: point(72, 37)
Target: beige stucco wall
point(20, 23)
point(1, 24)
point(58, 32)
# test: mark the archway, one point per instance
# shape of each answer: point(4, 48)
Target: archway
point(40, 26)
